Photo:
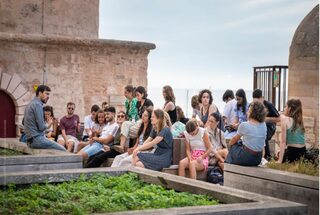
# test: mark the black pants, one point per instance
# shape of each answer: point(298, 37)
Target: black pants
point(98, 159)
point(293, 154)
point(267, 154)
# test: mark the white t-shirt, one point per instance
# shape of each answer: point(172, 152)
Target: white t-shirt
point(196, 142)
point(88, 124)
point(110, 129)
point(228, 111)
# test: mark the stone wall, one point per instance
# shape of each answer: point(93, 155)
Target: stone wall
point(84, 71)
point(304, 68)
point(79, 18)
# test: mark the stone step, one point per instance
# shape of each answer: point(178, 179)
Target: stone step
point(173, 169)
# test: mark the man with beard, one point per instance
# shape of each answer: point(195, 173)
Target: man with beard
point(69, 126)
point(96, 144)
point(34, 123)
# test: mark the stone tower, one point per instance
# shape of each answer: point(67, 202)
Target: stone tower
point(55, 42)
point(304, 71)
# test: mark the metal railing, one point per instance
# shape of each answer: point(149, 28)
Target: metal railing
point(272, 80)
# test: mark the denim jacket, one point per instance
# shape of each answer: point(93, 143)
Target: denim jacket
point(34, 124)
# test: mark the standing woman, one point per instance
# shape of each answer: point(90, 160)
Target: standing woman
point(169, 105)
point(131, 103)
point(143, 102)
point(248, 152)
point(292, 132)
point(207, 107)
point(160, 136)
point(241, 109)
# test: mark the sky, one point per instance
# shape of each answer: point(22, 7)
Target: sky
point(206, 43)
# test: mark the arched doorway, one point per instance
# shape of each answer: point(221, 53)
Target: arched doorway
point(7, 116)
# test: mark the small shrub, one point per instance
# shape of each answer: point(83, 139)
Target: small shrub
point(99, 194)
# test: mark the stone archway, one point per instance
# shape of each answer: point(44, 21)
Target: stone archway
point(13, 86)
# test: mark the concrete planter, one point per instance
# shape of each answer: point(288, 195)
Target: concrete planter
point(234, 201)
point(35, 159)
point(280, 184)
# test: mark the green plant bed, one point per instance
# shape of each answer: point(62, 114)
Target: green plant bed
point(301, 166)
point(99, 194)
point(9, 152)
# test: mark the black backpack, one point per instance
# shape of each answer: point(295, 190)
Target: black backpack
point(215, 175)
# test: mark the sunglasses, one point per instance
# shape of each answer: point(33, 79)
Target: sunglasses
point(120, 116)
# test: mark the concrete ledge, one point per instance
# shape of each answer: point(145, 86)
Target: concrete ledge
point(236, 201)
point(280, 184)
point(173, 169)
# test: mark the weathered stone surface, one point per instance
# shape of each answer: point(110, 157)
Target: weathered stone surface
point(5, 80)
point(14, 82)
point(84, 71)
point(19, 92)
point(303, 82)
point(236, 201)
point(279, 184)
point(78, 18)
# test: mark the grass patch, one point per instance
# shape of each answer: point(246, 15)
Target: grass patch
point(99, 194)
point(302, 166)
point(9, 152)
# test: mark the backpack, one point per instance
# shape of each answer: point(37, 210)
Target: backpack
point(215, 175)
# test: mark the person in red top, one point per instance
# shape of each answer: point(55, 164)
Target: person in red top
point(69, 126)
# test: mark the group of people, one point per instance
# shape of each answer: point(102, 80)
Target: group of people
point(142, 136)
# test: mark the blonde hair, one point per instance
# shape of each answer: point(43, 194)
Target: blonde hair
point(167, 119)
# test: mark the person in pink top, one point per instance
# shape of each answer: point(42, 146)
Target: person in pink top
point(198, 148)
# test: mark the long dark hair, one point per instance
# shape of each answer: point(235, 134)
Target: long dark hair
point(149, 126)
point(242, 94)
point(295, 111)
point(217, 117)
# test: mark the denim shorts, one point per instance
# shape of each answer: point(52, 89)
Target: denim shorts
point(92, 149)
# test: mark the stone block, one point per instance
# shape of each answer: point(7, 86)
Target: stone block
point(275, 183)
point(308, 122)
point(20, 110)
point(5, 80)
point(19, 92)
point(15, 81)
point(25, 99)
point(179, 150)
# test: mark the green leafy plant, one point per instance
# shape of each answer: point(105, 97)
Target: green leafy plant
point(98, 194)
point(9, 152)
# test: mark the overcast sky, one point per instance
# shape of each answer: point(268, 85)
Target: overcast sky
point(206, 43)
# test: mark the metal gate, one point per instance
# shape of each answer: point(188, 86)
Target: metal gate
point(272, 80)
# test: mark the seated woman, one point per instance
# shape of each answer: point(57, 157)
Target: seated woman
point(110, 150)
point(143, 133)
point(180, 116)
point(198, 148)
point(292, 133)
point(99, 124)
point(207, 106)
point(51, 123)
point(248, 152)
point(216, 136)
point(161, 137)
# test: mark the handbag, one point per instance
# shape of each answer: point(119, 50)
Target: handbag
point(215, 175)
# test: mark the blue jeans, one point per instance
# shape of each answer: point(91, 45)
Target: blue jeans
point(41, 142)
point(93, 149)
point(238, 155)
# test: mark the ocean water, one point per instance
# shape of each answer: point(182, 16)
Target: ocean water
point(183, 98)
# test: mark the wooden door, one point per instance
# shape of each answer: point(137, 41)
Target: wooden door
point(7, 116)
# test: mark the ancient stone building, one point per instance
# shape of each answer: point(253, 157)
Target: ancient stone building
point(56, 42)
point(304, 72)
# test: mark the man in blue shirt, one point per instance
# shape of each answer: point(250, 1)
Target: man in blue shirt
point(34, 124)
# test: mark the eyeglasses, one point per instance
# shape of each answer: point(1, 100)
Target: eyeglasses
point(120, 116)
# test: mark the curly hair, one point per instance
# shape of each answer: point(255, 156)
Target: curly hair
point(257, 111)
point(203, 92)
point(194, 101)
point(169, 95)
point(295, 111)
